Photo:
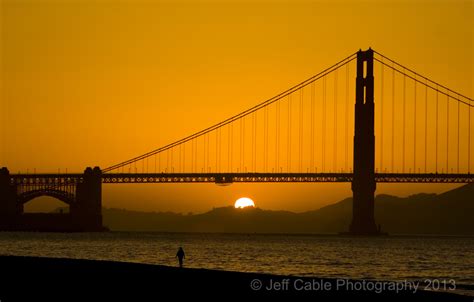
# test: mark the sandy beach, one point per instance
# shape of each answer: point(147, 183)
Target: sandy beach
point(73, 279)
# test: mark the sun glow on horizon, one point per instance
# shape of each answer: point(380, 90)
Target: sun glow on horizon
point(244, 202)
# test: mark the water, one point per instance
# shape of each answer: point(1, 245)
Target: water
point(382, 258)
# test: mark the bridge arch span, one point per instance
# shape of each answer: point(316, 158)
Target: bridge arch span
point(66, 197)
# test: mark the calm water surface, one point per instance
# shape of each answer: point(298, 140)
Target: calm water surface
point(383, 258)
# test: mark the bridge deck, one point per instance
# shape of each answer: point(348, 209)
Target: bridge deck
point(227, 178)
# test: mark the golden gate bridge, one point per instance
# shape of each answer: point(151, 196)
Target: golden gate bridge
point(419, 132)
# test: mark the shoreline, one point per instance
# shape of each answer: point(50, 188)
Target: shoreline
point(65, 279)
point(340, 234)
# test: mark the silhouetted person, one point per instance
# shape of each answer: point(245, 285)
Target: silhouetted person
point(180, 255)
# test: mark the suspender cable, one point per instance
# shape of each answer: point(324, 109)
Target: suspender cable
point(300, 151)
point(252, 137)
point(393, 121)
point(208, 152)
point(229, 138)
point(426, 127)
point(436, 130)
point(196, 154)
point(267, 127)
point(414, 131)
point(230, 146)
point(255, 141)
point(288, 152)
point(179, 158)
point(217, 150)
point(265, 121)
point(242, 144)
point(346, 123)
point(183, 161)
point(312, 130)
point(323, 140)
point(403, 122)
point(447, 134)
point(335, 123)
point(192, 155)
point(244, 166)
point(171, 160)
point(204, 153)
point(381, 116)
point(277, 137)
point(221, 168)
point(459, 130)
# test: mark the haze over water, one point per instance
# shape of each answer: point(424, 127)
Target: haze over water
point(380, 258)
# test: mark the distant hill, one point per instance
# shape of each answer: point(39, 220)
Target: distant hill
point(450, 213)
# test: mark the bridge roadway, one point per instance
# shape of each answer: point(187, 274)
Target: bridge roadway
point(228, 178)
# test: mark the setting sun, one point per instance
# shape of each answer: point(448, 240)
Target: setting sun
point(244, 202)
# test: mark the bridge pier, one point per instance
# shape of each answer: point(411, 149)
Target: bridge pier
point(363, 184)
point(9, 208)
point(85, 202)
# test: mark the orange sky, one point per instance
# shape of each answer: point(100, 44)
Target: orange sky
point(87, 83)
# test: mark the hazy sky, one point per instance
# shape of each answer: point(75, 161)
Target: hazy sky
point(87, 83)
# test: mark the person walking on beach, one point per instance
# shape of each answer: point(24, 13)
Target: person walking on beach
point(180, 255)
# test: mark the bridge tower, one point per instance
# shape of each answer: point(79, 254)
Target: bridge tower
point(363, 183)
point(87, 210)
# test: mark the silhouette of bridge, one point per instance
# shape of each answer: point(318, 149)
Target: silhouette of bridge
point(423, 132)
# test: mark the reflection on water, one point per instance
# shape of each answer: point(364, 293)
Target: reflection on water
point(384, 258)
